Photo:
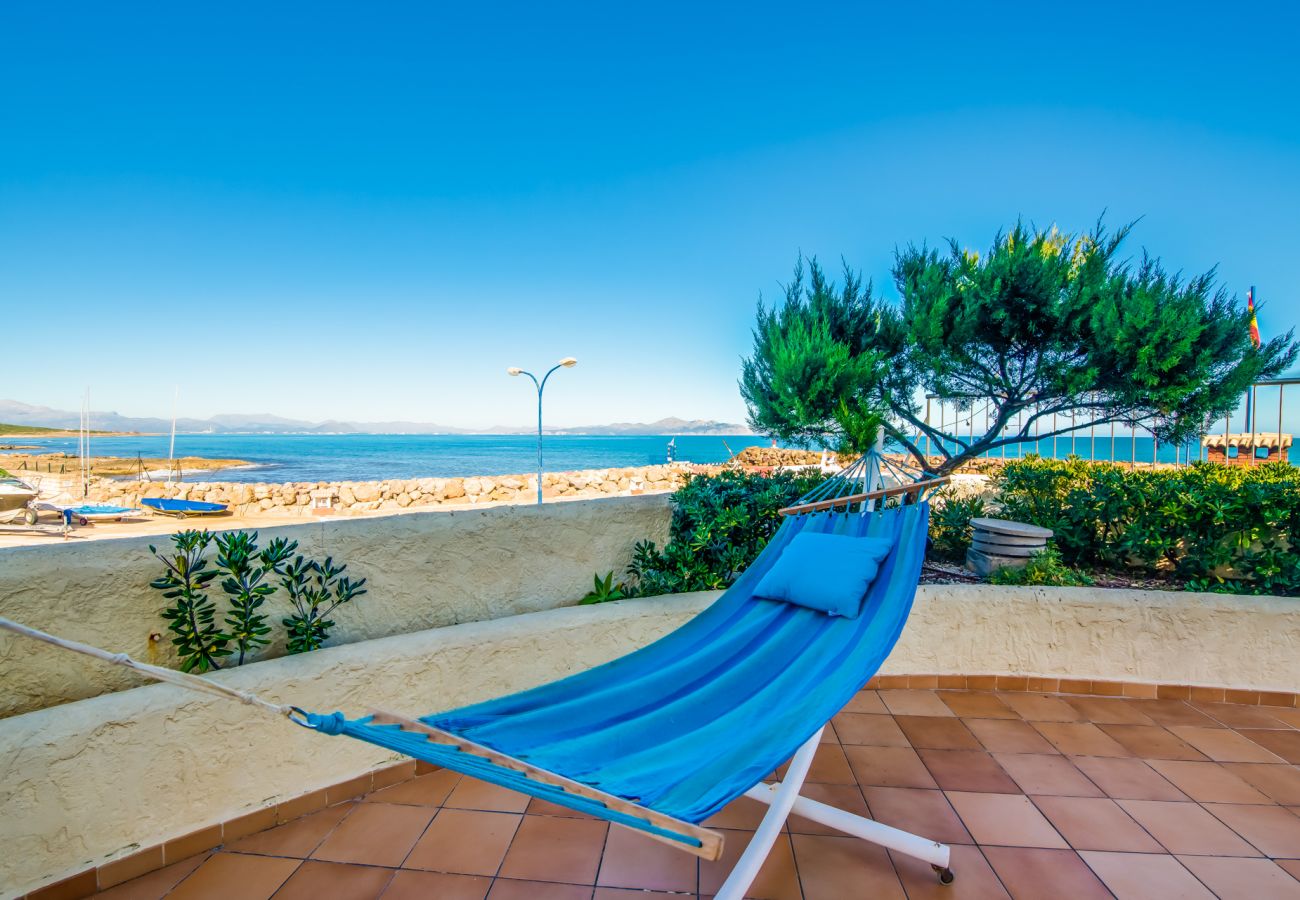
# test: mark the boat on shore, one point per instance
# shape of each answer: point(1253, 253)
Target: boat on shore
point(182, 509)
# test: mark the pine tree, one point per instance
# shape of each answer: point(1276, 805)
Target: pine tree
point(1043, 325)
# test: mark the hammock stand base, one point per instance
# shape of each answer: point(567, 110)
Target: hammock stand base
point(783, 799)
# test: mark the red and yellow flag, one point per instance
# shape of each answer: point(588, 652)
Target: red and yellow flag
point(1254, 323)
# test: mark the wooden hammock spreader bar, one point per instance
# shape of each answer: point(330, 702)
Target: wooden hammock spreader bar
point(912, 488)
point(710, 847)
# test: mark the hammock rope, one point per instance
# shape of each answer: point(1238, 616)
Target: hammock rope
point(158, 673)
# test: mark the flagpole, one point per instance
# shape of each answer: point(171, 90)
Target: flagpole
point(1250, 412)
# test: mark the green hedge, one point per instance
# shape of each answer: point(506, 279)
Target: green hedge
point(1222, 528)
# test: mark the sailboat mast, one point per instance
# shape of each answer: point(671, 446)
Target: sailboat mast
point(171, 448)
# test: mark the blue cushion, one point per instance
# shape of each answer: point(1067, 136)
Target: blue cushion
point(829, 572)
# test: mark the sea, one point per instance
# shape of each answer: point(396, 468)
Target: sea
point(372, 457)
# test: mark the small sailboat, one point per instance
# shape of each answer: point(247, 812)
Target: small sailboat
point(183, 508)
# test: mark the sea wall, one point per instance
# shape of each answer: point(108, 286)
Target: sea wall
point(359, 497)
point(422, 570)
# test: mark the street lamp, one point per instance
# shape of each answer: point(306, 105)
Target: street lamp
point(567, 363)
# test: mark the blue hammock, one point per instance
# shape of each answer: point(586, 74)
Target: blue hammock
point(675, 731)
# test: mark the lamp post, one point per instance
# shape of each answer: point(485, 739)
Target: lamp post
point(567, 363)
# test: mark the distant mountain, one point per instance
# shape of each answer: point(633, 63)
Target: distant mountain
point(25, 414)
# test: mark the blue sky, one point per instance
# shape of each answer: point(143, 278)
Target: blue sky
point(369, 211)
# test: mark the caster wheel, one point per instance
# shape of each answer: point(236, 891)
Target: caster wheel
point(946, 876)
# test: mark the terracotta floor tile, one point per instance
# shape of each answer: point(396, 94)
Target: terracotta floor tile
point(927, 814)
point(375, 834)
point(464, 842)
point(604, 893)
point(915, 703)
point(315, 880)
point(1096, 823)
point(1289, 715)
point(1291, 865)
point(777, 880)
point(1174, 712)
point(975, 705)
point(550, 848)
point(1243, 879)
point(1038, 874)
point(1207, 782)
point(742, 813)
point(1224, 745)
point(1279, 782)
point(847, 797)
point(424, 790)
point(540, 807)
point(1143, 876)
point(156, 884)
point(1051, 774)
point(258, 877)
point(510, 889)
point(1186, 828)
point(888, 767)
point(832, 868)
point(633, 860)
point(1272, 829)
point(866, 702)
point(1152, 742)
point(1235, 715)
point(975, 878)
point(1008, 820)
point(1106, 711)
point(1285, 744)
point(1007, 736)
point(1127, 779)
point(967, 770)
point(1080, 739)
point(938, 733)
point(1040, 708)
point(297, 838)
point(470, 793)
point(830, 766)
point(876, 731)
point(410, 885)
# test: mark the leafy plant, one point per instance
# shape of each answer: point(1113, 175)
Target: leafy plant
point(720, 524)
point(315, 590)
point(247, 586)
point(192, 615)
point(1044, 568)
point(950, 515)
point(1043, 325)
point(603, 590)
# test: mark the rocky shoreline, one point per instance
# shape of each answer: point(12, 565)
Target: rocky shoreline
point(396, 494)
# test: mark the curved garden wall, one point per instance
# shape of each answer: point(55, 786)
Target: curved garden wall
point(193, 761)
point(423, 571)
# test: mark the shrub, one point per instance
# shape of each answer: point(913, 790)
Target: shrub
point(315, 590)
point(1045, 568)
point(603, 590)
point(950, 517)
point(1222, 528)
point(720, 524)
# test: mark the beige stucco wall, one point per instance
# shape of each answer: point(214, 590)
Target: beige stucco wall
point(89, 781)
point(1161, 637)
point(423, 570)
